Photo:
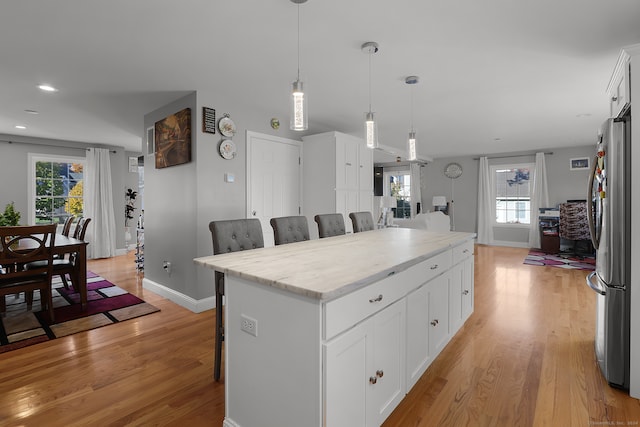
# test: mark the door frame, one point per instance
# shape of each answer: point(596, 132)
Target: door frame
point(250, 135)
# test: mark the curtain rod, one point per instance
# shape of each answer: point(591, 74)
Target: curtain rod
point(515, 155)
point(51, 145)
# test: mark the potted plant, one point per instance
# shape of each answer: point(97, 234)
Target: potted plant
point(129, 207)
point(10, 217)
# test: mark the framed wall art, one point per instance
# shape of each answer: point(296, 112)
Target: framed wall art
point(579, 163)
point(173, 139)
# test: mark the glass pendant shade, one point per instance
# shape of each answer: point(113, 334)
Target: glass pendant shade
point(371, 130)
point(411, 147)
point(299, 119)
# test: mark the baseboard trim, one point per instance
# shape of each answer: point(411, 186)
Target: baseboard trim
point(509, 244)
point(196, 306)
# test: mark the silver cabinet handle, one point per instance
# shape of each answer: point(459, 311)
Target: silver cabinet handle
point(614, 98)
point(466, 251)
point(433, 267)
point(376, 299)
point(373, 380)
point(380, 373)
point(434, 322)
point(254, 213)
point(465, 292)
point(348, 164)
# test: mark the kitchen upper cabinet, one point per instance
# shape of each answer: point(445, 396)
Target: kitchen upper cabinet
point(337, 176)
point(618, 90)
point(364, 376)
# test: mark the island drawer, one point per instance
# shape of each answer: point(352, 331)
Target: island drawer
point(344, 312)
point(462, 251)
point(435, 266)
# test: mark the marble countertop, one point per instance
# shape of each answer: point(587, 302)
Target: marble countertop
point(327, 268)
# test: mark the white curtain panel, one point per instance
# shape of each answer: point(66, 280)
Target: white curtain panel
point(485, 208)
point(539, 199)
point(416, 192)
point(98, 205)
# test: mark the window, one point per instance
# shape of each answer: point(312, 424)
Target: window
point(399, 186)
point(512, 193)
point(56, 190)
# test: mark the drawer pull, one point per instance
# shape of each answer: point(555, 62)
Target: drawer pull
point(377, 299)
point(391, 273)
point(465, 292)
point(380, 373)
point(348, 164)
point(373, 380)
point(434, 322)
point(435, 266)
point(466, 251)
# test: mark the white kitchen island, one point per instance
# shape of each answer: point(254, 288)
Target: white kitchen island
point(338, 330)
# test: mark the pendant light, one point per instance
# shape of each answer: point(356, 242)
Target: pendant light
point(299, 119)
point(411, 142)
point(370, 125)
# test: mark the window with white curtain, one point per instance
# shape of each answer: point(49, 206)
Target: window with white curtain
point(55, 188)
point(511, 185)
point(398, 185)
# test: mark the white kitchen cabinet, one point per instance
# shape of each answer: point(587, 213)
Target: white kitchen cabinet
point(342, 331)
point(427, 326)
point(337, 176)
point(364, 376)
point(618, 90)
point(462, 285)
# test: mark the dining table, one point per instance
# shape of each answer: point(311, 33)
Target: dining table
point(64, 245)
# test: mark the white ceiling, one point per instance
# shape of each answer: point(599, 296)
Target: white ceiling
point(496, 75)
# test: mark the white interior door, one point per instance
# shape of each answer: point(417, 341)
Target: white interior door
point(273, 179)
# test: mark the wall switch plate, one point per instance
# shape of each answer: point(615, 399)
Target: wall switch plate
point(249, 325)
point(229, 177)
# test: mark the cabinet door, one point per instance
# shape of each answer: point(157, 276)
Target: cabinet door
point(620, 96)
point(365, 202)
point(455, 296)
point(347, 169)
point(438, 314)
point(467, 288)
point(387, 374)
point(346, 378)
point(347, 202)
point(365, 166)
point(418, 329)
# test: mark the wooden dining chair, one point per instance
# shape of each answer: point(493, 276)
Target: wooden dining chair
point(230, 236)
point(67, 265)
point(289, 229)
point(362, 221)
point(66, 228)
point(22, 245)
point(330, 224)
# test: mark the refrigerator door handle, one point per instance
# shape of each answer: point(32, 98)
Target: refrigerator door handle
point(593, 286)
point(595, 239)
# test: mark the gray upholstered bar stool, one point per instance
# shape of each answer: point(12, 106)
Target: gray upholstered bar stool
point(330, 224)
point(362, 221)
point(230, 236)
point(289, 229)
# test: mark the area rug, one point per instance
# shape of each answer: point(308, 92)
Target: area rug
point(106, 304)
point(562, 261)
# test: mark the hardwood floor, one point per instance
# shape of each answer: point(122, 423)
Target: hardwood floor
point(524, 358)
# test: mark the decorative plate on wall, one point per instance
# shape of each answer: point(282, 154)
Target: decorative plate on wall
point(227, 149)
point(226, 126)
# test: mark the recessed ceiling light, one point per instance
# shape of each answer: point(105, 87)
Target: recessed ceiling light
point(20, 127)
point(31, 112)
point(47, 88)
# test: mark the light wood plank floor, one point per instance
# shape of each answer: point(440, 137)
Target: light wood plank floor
point(524, 358)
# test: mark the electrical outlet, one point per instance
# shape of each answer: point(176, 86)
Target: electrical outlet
point(249, 325)
point(166, 265)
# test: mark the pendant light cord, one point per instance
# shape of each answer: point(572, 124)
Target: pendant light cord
point(298, 41)
point(370, 55)
point(411, 97)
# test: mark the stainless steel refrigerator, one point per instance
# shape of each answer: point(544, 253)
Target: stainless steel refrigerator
point(609, 223)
